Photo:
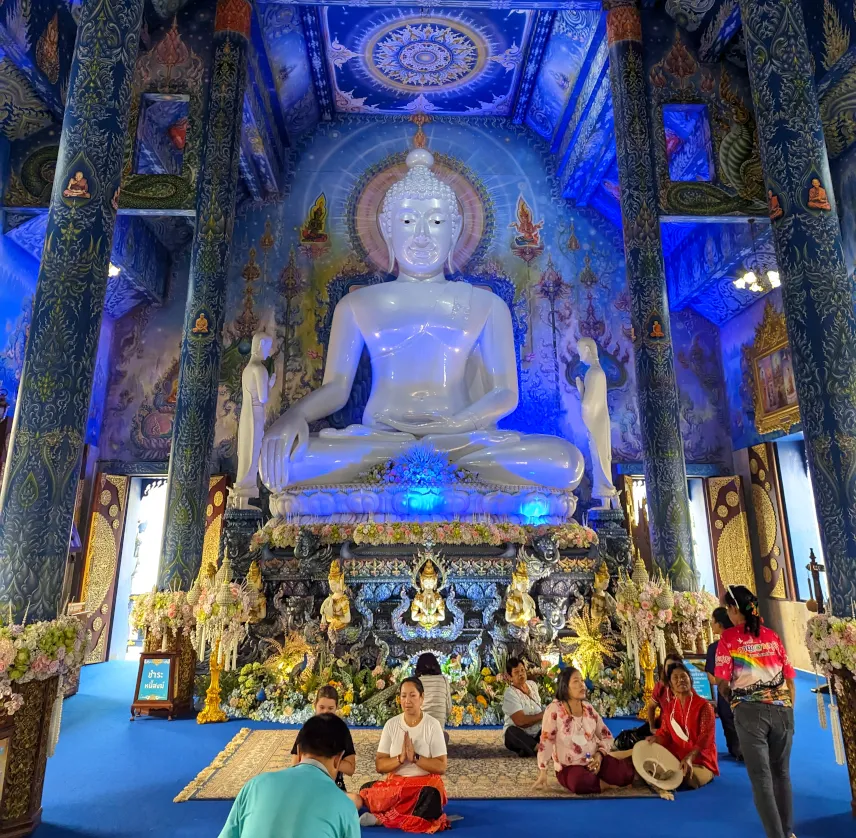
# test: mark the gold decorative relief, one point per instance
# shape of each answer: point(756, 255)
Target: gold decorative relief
point(214, 526)
point(765, 519)
point(774, 387)
point(732, 550)
point(102, 559)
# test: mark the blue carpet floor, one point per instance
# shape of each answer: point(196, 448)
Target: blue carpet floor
point(111, 777)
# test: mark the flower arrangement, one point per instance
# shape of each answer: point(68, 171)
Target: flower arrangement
point(831, 643)
point(616, 691)
point(222, 610)
point(570, 536)
point(691, 617)
point(161, 613)
point(421, 465)
point(644, 607)
point(278, 534)
point(36, 652)
point(369, 697)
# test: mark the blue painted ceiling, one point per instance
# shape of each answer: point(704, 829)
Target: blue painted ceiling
point(541, 64)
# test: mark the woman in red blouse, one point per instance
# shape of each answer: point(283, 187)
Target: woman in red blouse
point(662, 696)
point(688, 730)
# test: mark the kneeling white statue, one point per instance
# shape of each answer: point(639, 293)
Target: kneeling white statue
point(443, 365)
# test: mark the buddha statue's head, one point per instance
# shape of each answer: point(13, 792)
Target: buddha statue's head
point(420, 220)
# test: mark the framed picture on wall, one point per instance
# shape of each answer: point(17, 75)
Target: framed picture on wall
point(774, 392)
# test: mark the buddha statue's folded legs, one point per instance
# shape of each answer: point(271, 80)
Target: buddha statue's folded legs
point(500, 457)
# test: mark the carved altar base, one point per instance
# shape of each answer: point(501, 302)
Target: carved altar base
point(354, 503)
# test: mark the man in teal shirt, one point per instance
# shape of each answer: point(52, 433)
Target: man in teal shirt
point(300, 802)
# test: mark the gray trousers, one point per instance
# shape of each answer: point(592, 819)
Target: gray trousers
point(766, 733)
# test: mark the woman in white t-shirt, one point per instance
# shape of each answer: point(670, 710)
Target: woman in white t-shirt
point(521, 706)
point(412, 755)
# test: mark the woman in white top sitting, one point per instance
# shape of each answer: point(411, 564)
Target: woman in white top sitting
point(412, 755)
point(521, 705)
point(438, 694)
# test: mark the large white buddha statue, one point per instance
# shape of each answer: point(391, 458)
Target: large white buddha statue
point(443, 365)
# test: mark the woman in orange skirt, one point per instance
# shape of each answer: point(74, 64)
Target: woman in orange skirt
point(412, 755)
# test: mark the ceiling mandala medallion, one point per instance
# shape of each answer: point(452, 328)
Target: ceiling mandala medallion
point(435, 53)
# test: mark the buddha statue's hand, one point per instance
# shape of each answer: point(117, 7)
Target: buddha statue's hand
point(285, 442)
point(434, 425)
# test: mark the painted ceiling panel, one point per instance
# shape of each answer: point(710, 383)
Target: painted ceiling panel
point(565, 56)
point(704, 258)
point(286, 51)
point(456, 62)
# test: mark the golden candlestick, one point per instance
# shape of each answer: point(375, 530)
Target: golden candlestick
point(648, 664)
point(211, 712)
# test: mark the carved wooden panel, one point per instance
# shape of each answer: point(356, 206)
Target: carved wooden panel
point(214, 519)
point(101, 567)
point(770, 523)
point(729, 532)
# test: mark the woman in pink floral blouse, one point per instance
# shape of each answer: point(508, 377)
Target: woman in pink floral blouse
point(575, 738)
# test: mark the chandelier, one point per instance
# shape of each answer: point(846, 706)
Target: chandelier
point(756, 277)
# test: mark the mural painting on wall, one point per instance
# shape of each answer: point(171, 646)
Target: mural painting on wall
point(718, 97)
point(570, 38)
point(286, 49)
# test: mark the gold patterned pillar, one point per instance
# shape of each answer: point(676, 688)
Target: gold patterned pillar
point(769, 523)
point(101, 567)
point(729, 532)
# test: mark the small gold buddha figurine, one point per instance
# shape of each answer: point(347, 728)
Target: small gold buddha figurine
point(256, 588)
point(336, 609)
point(201, 327)
point(601, 602)
point(773, 205)
point(817, 197)
point(428, 608)
point(78, 187)
point(519, 606)
point(657, 330)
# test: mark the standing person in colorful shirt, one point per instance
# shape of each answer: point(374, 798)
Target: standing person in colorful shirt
point(576, 741)
point(688, 730)
point(521, 705)
point(753, 669)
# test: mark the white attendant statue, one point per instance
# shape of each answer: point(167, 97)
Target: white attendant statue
point(596, 419)
point(443, 365)
point(256, 385)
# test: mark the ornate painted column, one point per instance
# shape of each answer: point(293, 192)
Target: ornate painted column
point(37, 499)
point(201, 346)
point(818, 294)
point(656, 388)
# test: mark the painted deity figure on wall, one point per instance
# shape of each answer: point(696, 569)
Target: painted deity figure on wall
point(528, 230)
